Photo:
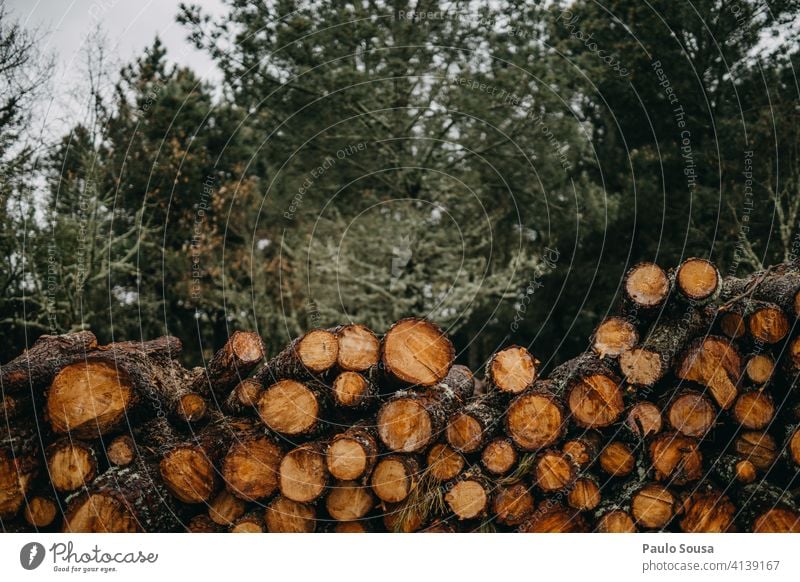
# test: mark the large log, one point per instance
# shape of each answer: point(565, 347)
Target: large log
point(294, 408)
point(512, 370)
point(230, 365)
point(416, 352)
point(591, 391)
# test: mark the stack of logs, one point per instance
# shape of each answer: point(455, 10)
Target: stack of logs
point(682, 415)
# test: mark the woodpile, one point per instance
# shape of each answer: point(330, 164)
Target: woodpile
point(682, 415)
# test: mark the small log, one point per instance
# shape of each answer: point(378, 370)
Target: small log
point(766, 322)
point(645, 288)
point(444, 463)
point(303, 473)
point(286, 516)
point(512, 504)
point(41, 510)
point(230, 365)
point(395, 477)
point(535, 420)
point(585, 494)
point(512, 370)
point(352, 390)
point(499, 456)
point(352, 454)
point(554, 471)
point(19, 467)
point(359, 348)
point(224, 509)
point(121, 451)
point(250, 467)
point(293, 408)
point(690, 413)
point(349, 501)
point(244, 397)
point(754, 409)
point(583, 449)
point(733, 470)
point(416, 352)
point(642, 421)
point(614, 336)
point(615, 521)
point(653, 506)
point(698, 281)
point(202, 524)
point(470, 496)
point(252, 522)
point(470, 428)
point(759, 368)
point(554, 518)
point(676, 458)
point(707, 511)
point(71, 464)
point(617, 459)
point(714, 363)
point(308, 356)
point(757, 447)
point(590, 390)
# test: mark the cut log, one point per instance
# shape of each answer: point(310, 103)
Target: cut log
point(499, 456)
point(767, 322)
point(653, 506)
point(461, 381)
point(535, 420)
point(244, 397)
point(690, 413)
point(707, 511)
point(733, 470)
point(512, 504)
point(38, 365)
point(615, 521)
point(470, 428)
point(793, 445)
point(395, 477)
point(123, 500)
point(349, 501)
point(617, 459)
point(416, 352)
point(19, 466)
point(121, 451)
point(554, 471)
point(759, 368)
point(359, 348)
point(470, 496)
point(584, 494)
point(252, 522)
point(444, 463)
point(353, 391)
point(303, 473)
point(230, 365)
point(404, 517)
point(250, 467)
point(349, 527)
point(583, 450)
point(293, 408)
point(554, 518)
point(648, 363)
point(224, 509)
point(754, 409)
point(41, 510)
point(714, 363)
point(512, 370)
point(757, 447)
point(764, 508)
point(732, 322)
point(202, 524)
point(645, 288)
point(614, 336)
point(779, 285)
point(352, 454)
point(698, 281)
point(642, 421)
point(286, 516)
point(71, 464)
point(676, 458)
point(308, 356)
point(591, 391)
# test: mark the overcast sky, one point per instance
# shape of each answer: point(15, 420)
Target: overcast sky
point(130, 26)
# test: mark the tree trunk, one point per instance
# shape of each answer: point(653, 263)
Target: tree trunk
point(230, 365)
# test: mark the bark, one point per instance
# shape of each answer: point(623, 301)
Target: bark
point(470, 428)
point(779, 285)
point(230, 365)
point(309, 356)
point(733, 471)
point(764, 508)
point(243, 399)
point(591, 391)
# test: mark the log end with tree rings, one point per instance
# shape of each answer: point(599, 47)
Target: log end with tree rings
point(188, 474)
point(250, 468)
point(757, 447)
point(535, 420)
point(768, 323)
point(359, 348)
point(283, 515)
point(444, 463)
point(653, 506)
point(121, 451)
point(350, 527)
point(646, 286)
point(416, 352)
point(691, 413)
point(499, 456)
point(303, 473)
point(676, 458)
point(615, 521)
point(614, 336)
point(707, 512)
point(247, 349)
point(582, 450)
point(351, 390)
point(554, 518)
point(41, 511)
point(777, 520)
point(404, 425)
point(468, 498)
point(759, 368)
point(512, 504)
point(617, 459)
point(643, 420)
point(553, 471)
point(745, 471)
point(89, 399)
point(100, 513)
point(732, 324)
point(191, 408)
point(317, 351)
point(641, 366)
point(290, 407)
point(595, 401)
point(697, 279)
point(754, 409)
point(251, 522)
point(349, 501)
point(351, 454)
point(714, 363)
point(395, 477)
point(224, 509)
point(584, 495)
point(71, 464)
point(512, 370)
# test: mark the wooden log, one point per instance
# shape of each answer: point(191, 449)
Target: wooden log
point(470, 428)
point(764, 508)
point(303, 473)
point(733, 470)
point(617, 459)
point(41, 509)
point(404, 517)
point(71, 464)
point(766, 322)
point(359, 348)
point(615, 521)
point(642, 421)
point(512, 370)
point(757, 447)
point(592, 392)
point(470, 496)
point(35, 368)
point(792, 448)
point(251, 522)
point(554, 471)
point(779, 285)
point(759, 368)
point(349, 527)
point(224, 509)
point(614, 336)
point(535, 420)
point(351, 454)
point(121, 451)
point(444, 463)
point(353, 391)
point(349, 501)
point(202, 524)
point(395, 477)
point(308, 356)
point(286, 516)
point(585, 494)
point(416, 352)
point(123, 500)
point(731, 320)
point(689, 412)
point(250, 466)
point(714, 363)
point(19, 466)
point(243, 399)
point(512, 504)
point(293, 408)
point(553, 517)
point(676, 458)
point(230, 365)
point(754, 409)
point(583, 449)
point(698, 281)
point(645, 288)
point(707, 511)
point(499, 456)
point(653, 506)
